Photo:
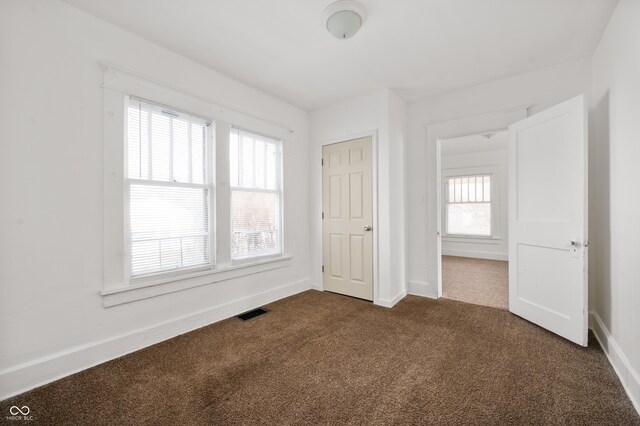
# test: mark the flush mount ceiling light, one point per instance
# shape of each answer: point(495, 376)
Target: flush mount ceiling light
point(344, 18)
point(488, 135)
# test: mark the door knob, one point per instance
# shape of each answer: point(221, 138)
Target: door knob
point(367, 228)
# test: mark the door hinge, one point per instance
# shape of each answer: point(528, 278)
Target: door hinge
point(322, 268)
point(322, 161)
point(323, 215)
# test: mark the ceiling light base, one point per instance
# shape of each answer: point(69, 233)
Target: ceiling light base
point(344, 18)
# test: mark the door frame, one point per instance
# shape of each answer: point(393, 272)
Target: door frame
point(436, 133)
point(374, 188)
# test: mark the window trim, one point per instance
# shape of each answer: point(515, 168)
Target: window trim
point(117, 285)
point(494, 203)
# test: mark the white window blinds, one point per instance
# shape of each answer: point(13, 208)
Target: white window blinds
point(169, 189)
point(255, 195)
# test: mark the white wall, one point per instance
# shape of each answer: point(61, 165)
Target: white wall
point(397, 200)
point(481, 162)
point(615, 156)
point(52, 320)
point(539, 89)
point(384, 113)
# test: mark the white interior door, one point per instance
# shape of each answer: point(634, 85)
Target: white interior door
point(347, 218)
point(548, 218)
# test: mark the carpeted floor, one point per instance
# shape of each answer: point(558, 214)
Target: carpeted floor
point(479, 281)
point(321, 358)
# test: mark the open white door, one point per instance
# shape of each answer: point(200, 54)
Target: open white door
point(548, 219)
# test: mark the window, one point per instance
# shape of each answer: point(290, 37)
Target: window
point(255, 195)
point(469, 205)
point(169, 189)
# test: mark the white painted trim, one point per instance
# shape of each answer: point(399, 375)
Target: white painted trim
point(464, 126)
point(390, 303)
point(423, 289)
point(373, 134)
point(124, 80)
point(316, 287)
point(629, 377)
point(170, 284)
point(471, 239)
point(466, 117)
point(489, 255)
point(21, 378)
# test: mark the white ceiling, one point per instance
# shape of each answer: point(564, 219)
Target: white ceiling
point(474, 143)
point(416, 47)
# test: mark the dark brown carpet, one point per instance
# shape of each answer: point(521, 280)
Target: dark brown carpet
point(320, 358)
point(480, 281)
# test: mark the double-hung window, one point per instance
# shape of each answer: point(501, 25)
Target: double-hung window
point(469, 205)
point(169, 187)
point(256, 195)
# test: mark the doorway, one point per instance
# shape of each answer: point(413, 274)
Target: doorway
point(474, 222)
point(347, 218)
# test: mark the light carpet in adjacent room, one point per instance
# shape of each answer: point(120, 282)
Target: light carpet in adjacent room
point(480, 281)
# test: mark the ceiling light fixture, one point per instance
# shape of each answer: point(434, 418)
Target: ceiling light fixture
point(488, 135)
point(344, 18)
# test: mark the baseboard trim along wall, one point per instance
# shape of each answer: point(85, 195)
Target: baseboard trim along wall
point(489, 255)
point(316, 287)
point(424, 289)
point(390, 303)
point(24, 377)
point(628, 376)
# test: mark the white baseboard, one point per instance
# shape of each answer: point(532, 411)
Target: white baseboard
point(424, 289)
point(628, 375)
point(24, 377)
point(316, 287)
point(390, 303)
point(489, 255)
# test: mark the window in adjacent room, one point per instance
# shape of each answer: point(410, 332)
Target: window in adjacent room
point(256, 195)
point(169, 187)
point(469, 205)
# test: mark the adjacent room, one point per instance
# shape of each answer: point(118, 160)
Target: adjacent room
point(474, 219)
point(330, 212)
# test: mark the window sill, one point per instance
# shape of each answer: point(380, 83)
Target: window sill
point(479, 239)
point(144, 290)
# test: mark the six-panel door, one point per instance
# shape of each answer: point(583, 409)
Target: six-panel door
point(347, 232)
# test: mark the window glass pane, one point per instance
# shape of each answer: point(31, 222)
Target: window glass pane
point(472, 190)
point(469, 219)
point(160, 140)
point(260, 164)
point(272, 172)
point(450, 185)
point(255, 224)
point(180, 150)
point(247, 162)
point(458, 189)
point(465, 189)
point(487, 188)
point(134, 154)
point(479, 188)
point(198, 153)
point(169, 228)
point(234, 159)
